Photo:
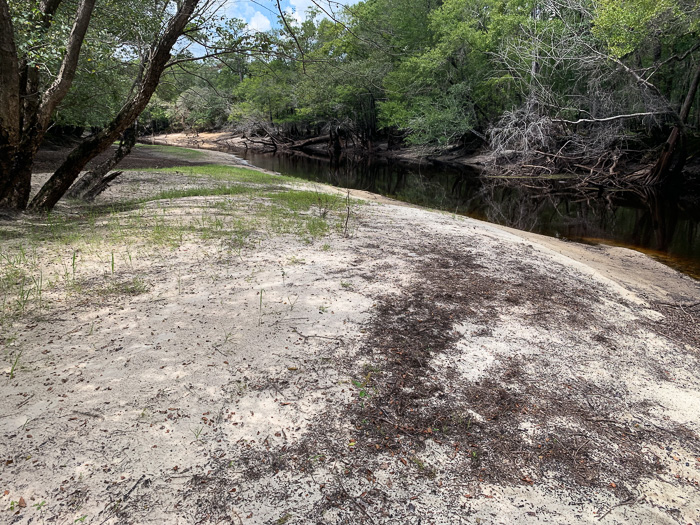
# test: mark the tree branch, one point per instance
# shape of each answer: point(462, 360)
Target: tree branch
point(92, 146)
point(673, 58)
point(615, 117)
point(55, 93)
point(294, 36)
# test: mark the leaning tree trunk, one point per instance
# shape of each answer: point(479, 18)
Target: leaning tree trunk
point(664, 165)
point(97, 180)
point(65, 175)
point(25, 113)
point(9, 99)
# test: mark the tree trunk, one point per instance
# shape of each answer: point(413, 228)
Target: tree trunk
point(664, 165)
point(25, 113)
point(92, 146)
point(96, 181)
point(101, 186)
point(9, 102)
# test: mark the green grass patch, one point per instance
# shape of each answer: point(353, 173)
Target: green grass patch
point(228, 173)
point(303, 213)
point(304, 200)
point(52, 257)
point(174, 151)
point(134, 286)
point(202, 192)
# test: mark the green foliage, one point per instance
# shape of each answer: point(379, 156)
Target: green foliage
point(624, 26)
point(435, 73)
point(450, 89)
point(198, 108)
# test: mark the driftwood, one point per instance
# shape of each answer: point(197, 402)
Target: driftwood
point(302, 144)
point(281, 144)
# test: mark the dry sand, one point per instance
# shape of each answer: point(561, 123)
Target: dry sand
point(420, 368)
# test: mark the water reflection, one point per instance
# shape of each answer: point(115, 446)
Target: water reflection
point(663, 225)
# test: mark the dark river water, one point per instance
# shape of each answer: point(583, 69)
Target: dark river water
point(665, 226)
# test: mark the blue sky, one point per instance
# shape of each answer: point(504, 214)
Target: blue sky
point(261, 15)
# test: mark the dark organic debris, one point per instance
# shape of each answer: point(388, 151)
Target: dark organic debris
point(575, 439)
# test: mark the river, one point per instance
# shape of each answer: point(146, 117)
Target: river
point(665, 226)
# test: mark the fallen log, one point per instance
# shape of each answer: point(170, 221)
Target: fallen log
point(301, 144)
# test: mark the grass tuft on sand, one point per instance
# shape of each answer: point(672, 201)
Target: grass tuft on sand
point(53, 258)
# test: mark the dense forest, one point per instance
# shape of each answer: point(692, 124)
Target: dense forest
point(603, 89)
point(575, 85)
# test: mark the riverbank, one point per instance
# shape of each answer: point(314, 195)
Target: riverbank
point(225, 140)
point(662, 224)
point(211, 344)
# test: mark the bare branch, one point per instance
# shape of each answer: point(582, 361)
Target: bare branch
point(675, 58)
point(615, 117)
point(294, 36)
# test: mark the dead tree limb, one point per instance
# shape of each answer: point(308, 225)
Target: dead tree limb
point(301, 144)
point(609, 119)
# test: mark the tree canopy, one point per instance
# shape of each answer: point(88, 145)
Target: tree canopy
point(590, 80)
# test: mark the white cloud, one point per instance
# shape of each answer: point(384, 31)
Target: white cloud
point(238, 9)
point(326, 7)
point(262, 15)
point(300, 7)
point(259, 22)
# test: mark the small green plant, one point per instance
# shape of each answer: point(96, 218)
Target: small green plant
point(423, 467)
point(347, 217)
point(346, 285)
point(261, 307)
point(14, 364)
point(292, 303)
point(197, 432)
point(112, 263)
point(128, 257)
point(38, 288)
point(39, 506)
point(326, 247)
point(23, 295)
point(134, 286)
point(476, 460)
point(80, 519)
point(418, 463)
point(363, 386)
